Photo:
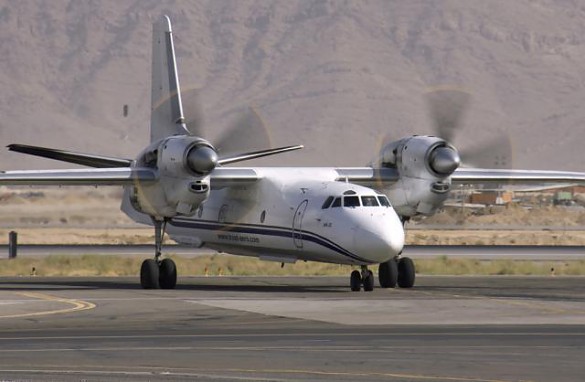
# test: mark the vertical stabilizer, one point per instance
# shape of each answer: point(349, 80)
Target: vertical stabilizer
point(166, 116)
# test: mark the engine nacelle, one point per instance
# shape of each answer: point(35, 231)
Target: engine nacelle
point(425, 164)
point(183, 165)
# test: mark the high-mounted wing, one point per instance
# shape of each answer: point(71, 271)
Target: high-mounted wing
point(384, 177)
point(79, 177)
point(367, 174)
point(502, 176)
point(223, 177)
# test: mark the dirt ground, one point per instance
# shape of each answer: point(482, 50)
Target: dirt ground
point(92, 216)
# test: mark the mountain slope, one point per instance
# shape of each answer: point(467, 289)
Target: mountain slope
point(335, 76)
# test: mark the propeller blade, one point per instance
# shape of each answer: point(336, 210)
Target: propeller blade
point(97, 161)
point(248, 132)
point(257, 154)
point(446, 108)
point(496, 153)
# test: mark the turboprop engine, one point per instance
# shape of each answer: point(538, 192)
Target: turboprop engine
point(424, 164)
point(183, 164)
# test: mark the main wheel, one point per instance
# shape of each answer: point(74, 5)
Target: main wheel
point(368, 281)
point(167, 274)
point(388, 274)
point(406, 273)
point(149, 274)
point(355, 281)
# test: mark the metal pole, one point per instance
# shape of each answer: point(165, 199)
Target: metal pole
point(12, 244)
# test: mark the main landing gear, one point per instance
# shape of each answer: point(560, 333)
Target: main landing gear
point(156, 273)
point(392, 273)
point(399, 272)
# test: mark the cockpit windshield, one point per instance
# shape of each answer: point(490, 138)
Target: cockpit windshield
point(351, 200)
point(369, 201)
point(383, 201)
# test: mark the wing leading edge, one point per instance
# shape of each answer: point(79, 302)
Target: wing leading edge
point(501, 176)
point(384, 177)
point(79, 177)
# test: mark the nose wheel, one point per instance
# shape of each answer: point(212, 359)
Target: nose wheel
point(156, 273)
point(365, 279)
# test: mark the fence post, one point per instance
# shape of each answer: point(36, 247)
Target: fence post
point(12, 244)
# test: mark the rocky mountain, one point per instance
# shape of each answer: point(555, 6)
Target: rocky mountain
point(334, 75)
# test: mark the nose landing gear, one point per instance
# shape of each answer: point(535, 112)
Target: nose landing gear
point(365, 278)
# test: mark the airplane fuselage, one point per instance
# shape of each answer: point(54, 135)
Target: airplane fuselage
point(284, 217)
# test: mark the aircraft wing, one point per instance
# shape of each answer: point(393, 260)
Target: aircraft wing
point(383, 177)
point(77, 177)
point(222, 177)
point(504, 176)
point(367, 176)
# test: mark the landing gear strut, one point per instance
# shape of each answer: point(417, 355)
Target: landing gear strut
point(399, 272)
point(365, 278)
point(156, 273)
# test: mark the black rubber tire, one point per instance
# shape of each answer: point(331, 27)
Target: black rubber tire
point(406, 273)
point(368, 281)
point(149, 274)
point(355, 281)
point(388, 274)
point(167, 278)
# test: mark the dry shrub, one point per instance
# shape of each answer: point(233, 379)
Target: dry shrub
point(227, 265)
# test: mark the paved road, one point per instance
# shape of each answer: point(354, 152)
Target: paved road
point(293, 329)
point(519, 252)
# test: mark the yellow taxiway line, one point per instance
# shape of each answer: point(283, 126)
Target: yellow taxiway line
point(77, 305)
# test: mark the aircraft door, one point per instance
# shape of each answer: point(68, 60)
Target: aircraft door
point(298, 223)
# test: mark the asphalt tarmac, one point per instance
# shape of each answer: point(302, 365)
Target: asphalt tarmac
point(480, 252)
point(293, 329)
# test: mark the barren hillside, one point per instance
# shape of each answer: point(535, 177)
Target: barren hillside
point(333, 75)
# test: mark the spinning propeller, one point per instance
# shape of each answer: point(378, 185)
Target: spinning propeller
point(447, 107)
point(247, 132)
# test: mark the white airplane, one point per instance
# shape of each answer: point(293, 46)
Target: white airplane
point(181, 185)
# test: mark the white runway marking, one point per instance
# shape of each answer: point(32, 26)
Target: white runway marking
point(453, 311)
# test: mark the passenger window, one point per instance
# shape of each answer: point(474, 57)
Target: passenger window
point(383, 201)
point(369, 201)
point(351, 201)
point(336, 203)
point(327, 202)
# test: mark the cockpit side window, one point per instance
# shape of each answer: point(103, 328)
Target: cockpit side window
point(336, 202)
point(351, 201)
point(383, 201)
point(327, 202)
point(369, 201)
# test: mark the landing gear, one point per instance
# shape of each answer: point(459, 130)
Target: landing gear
point(399, 272)
point(155, 273)
point(388, 274)
point(167, 278)
point(355, 281)
point(149, 274)
point(365, 278)
point(406, 273)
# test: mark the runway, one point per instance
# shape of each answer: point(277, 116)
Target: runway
point(293, 329)
point(483, 252)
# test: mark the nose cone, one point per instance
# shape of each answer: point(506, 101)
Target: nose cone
point(202, 159)
point(445, 160)
point(380, 243)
